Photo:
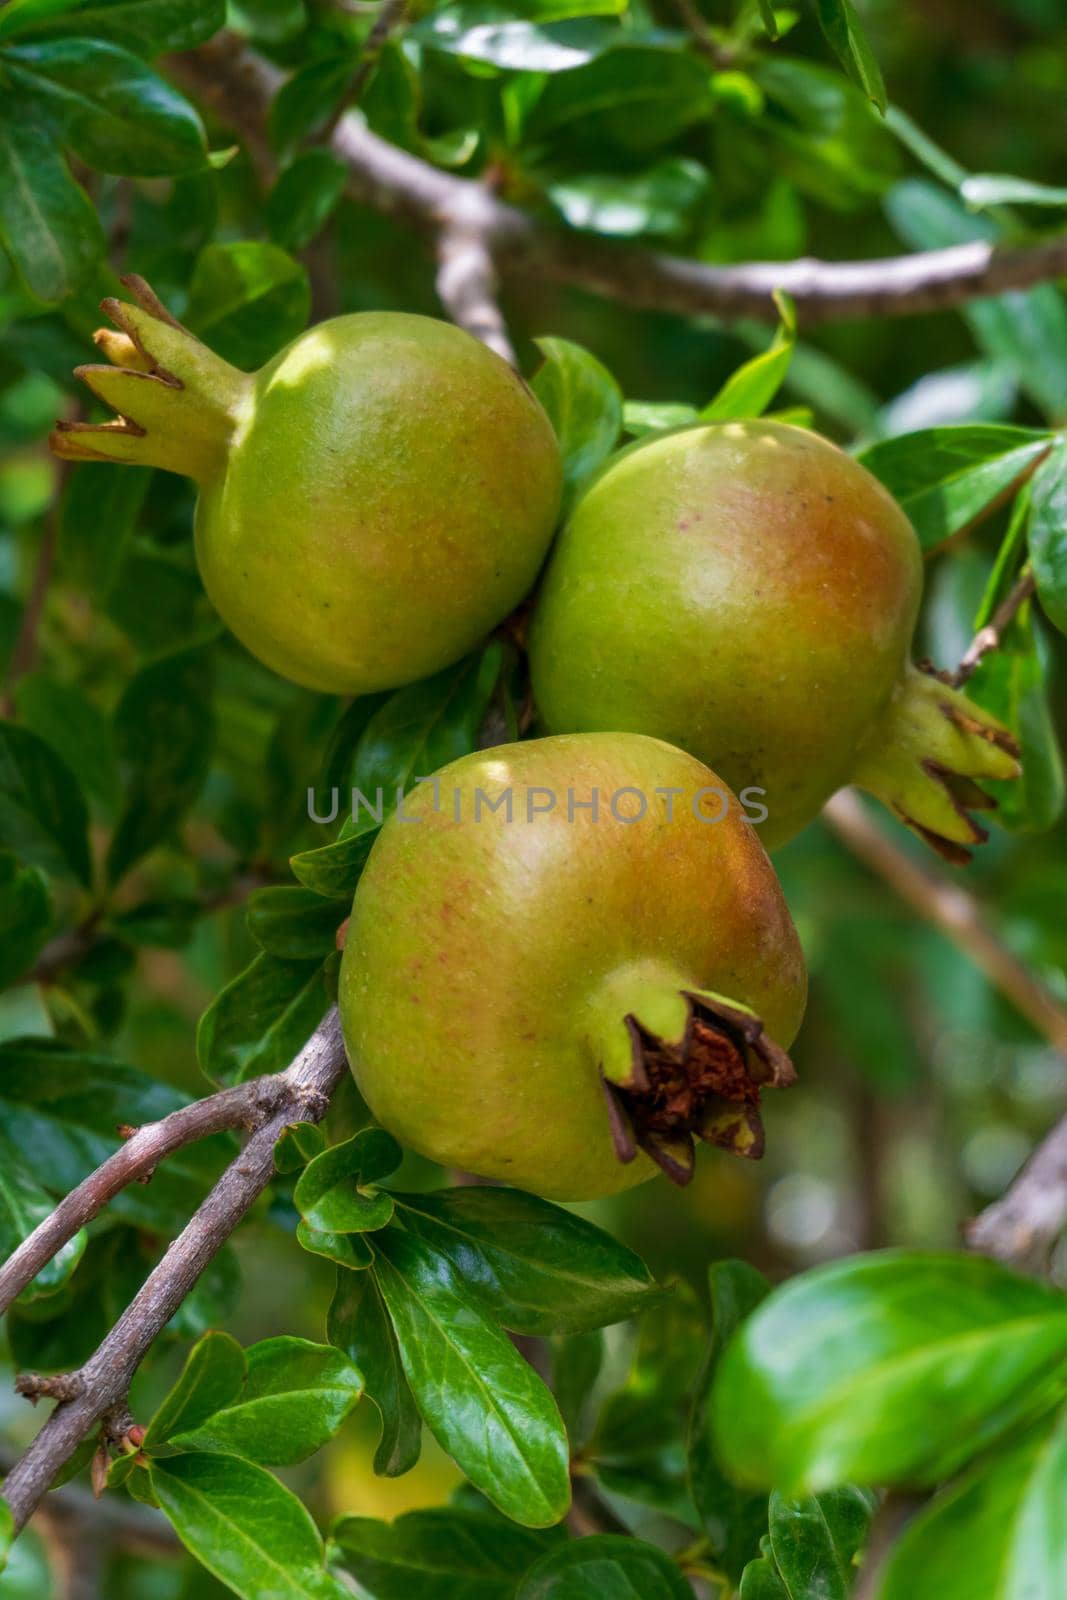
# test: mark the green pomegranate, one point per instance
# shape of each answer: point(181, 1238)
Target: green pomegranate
point(749, 592)
point(372, 502)
point(567, 958)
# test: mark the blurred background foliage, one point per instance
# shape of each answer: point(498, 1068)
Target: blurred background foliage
point(921, 1091)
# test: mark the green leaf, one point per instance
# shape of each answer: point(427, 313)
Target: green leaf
point(247, 300)
point(43, 815)
point(945, 478)
point(296, 924)
point(768, 18)
point(306, 100)
point(164, 730)
point(211, 1378)
point(732, 1518)
point(149, 27)
point(358, 1323)
point(1048, 534)
point(24, 1204)
point(7, 1532)
point(849, 42)
point(333, 1193)
point(659, 201)
point(485, 33)
point(811, 1549)
point(825, 137)
point(305, 197)
point(61, 715)
point(652, 416)
point(749, 391)
point(349, 1250)
point(532, 1266)
point(606, 1566)
point(61, 1108)
point(897, 1367)
point(295, 1397)
point(482, 1402)
point(445, 1554)
point(260, 1020)
point(584, 406)
point(1013, 682)
point(1026, 330)
point(244, 1527)
point(47, 224)
point(637, 98)
point(982, 189)
point(998, 1531)
point(421, 728)
point(333, 870)
point(25, 916)
point(117, 113)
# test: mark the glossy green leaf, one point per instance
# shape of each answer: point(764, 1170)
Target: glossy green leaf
point(996, 1534)
point(896, 1367)
point(1014, 683)
point(811, 1547)
point(62, 1108)
point(446, 1554)
point(1025, 330)
point(348, 1250)
point(844, 31)
point(606, 1566)
point(294, 1399)
point(639, 98)
point(296, 924)
point(247, 300)
point(334, 1193)
point(164, 732)
point(117, 113)
point(43, 815)
point(981, 189)
point(651, 416)
point(482, 1402)
point(659, 202)
point(244, 1527)
point(584, 405)
point(25, 916)
point(47, 224)
point(65, 718)
point(499, 39)
point(23, 1205)
point(147, 26)
point(1048, 534)
point(306, 100)
point(826, 137)
point(749, 391)
point(945, 478)
point(333, 870)
point(305, 197)
point(260, 1020)
point(212, 1377)
point(732, 1518)
point(421, 728)
point(359, 1324)
point(532, 1266)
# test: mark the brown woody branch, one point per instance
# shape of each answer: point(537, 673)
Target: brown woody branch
point(239, 87)
point(989, 637)
point(302, 1095)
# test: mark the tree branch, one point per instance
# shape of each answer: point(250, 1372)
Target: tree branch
point(304, 1089)
point(239, 87)
point(466, 275)
point(989, 637)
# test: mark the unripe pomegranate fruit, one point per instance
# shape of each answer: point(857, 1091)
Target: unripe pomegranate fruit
point(560, 996)
point(372, 501)
point(749, 592)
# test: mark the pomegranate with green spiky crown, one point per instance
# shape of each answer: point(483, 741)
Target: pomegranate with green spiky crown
point(749, 592)
point(372, 502)
point(566, 959)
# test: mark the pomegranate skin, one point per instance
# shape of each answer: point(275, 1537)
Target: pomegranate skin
point(491, 966)
point(748, 592)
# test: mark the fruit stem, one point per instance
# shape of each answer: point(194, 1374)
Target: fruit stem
point(679, 1062)
point(177, 402)
point(923, 758)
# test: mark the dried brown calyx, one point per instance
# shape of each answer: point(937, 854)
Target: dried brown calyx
point(706, 1086)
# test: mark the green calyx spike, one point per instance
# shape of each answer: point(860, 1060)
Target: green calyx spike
point(924, 758)
point(679, 1063)
point(177, 403)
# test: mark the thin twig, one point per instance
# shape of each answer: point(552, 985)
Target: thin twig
point(953, 910)
point(104, 1380)
point(989, 637)
point(1023, 1226)
point(240, 86)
